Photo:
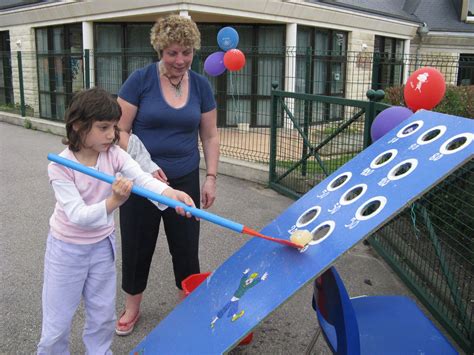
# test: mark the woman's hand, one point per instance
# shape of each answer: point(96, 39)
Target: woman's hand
point(160, 175)
point(180, 196)
point(210, 145)
point(208, 191)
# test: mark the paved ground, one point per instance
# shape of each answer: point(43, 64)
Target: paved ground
point(26, 202)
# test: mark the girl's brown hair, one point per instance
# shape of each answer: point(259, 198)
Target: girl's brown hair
point(86, 107)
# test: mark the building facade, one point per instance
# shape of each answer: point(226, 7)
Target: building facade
point(326, 47)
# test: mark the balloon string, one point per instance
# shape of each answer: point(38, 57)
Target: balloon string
point(235, 102)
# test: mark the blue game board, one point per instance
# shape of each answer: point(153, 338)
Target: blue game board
point(342, 210)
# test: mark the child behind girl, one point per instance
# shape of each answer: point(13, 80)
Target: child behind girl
point(80, 251)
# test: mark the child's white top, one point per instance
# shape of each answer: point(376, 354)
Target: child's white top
point(80, 214)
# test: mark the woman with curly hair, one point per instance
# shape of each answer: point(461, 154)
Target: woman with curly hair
point(167, 107)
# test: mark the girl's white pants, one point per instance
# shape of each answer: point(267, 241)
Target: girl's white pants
point(72, 272)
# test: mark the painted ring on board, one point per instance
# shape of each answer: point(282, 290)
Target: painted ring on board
point(371, 208)
point(383, 158)
point(322, 231)
point(402, 169)
point(456, 143)
point(431, 135)
point(353, 194)
point(339, 181)
point(308, 216)
point(410, 128)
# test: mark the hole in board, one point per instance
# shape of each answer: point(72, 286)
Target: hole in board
point(383, 158)
point(339, 181)
point(353, 194)
point(322, 231)
point(308, 216)
point(402, 169)
point(456, 143)
point(431, 135)
point(371, 208)
point(409, 129)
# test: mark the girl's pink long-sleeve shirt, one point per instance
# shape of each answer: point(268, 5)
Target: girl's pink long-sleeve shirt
point(80, 214)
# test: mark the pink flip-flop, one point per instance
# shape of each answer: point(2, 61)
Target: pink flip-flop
point(126, 328)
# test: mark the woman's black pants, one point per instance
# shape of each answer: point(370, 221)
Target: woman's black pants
point(139, 225)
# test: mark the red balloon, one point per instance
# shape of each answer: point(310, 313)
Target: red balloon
point(234, 59)
point(424, 89)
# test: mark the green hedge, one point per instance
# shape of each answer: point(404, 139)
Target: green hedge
point(458, 100)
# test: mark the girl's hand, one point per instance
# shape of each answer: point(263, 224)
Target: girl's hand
point(180, 196)
point(121, 189)
point(208, 192)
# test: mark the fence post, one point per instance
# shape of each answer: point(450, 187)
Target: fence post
point(87, 78)
point(273, 133)
point(307, 109)
point(373, 96)
point(375, 69)
point(20, 79)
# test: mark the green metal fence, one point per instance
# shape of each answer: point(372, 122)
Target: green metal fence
point(431, 247)
point(46, 80)
point(309, 141)
point(430, 244)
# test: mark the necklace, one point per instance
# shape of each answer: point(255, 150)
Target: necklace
point(177, 87)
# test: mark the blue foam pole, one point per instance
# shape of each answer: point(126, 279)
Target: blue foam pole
point(150, 194)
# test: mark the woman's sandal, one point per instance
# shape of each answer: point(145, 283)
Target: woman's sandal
point(126, 328)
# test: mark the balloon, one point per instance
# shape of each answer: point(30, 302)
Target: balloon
point(227, 38)
point(424, 89)
point(214, 64)
point(388, 119)
point(234, 59)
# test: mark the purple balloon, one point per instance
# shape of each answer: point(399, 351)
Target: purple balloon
point(388, 119)
point(214, 64)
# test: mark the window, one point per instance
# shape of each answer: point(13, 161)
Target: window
point(470, 8)
point(6, 88)
point(121, 49)
point(466, 69)
point(388, 62)
point(245, 96)
point(468, 15)
point(60, 67)
point(10, 4)
point(321, 69)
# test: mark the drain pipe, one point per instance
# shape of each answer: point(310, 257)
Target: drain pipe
point(421, 32)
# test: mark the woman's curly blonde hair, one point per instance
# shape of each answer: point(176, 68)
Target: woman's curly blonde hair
point(174, 29)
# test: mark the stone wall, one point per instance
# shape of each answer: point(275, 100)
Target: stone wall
point(22, 38)
point(359, 64)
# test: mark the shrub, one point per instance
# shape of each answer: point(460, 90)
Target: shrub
point(394, 96)
point(458, 100)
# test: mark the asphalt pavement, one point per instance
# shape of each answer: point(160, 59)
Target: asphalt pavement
point(27, 201)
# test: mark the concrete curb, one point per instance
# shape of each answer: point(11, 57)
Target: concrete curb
point(227, 166)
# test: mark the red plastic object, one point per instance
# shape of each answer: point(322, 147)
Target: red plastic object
point(193, 281)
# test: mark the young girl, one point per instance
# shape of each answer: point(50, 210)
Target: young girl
point(80, 251)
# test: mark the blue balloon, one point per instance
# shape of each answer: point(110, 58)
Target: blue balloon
point(227, 38)
point(214, 64)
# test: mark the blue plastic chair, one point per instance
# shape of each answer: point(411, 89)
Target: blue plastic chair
point(372, 324)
